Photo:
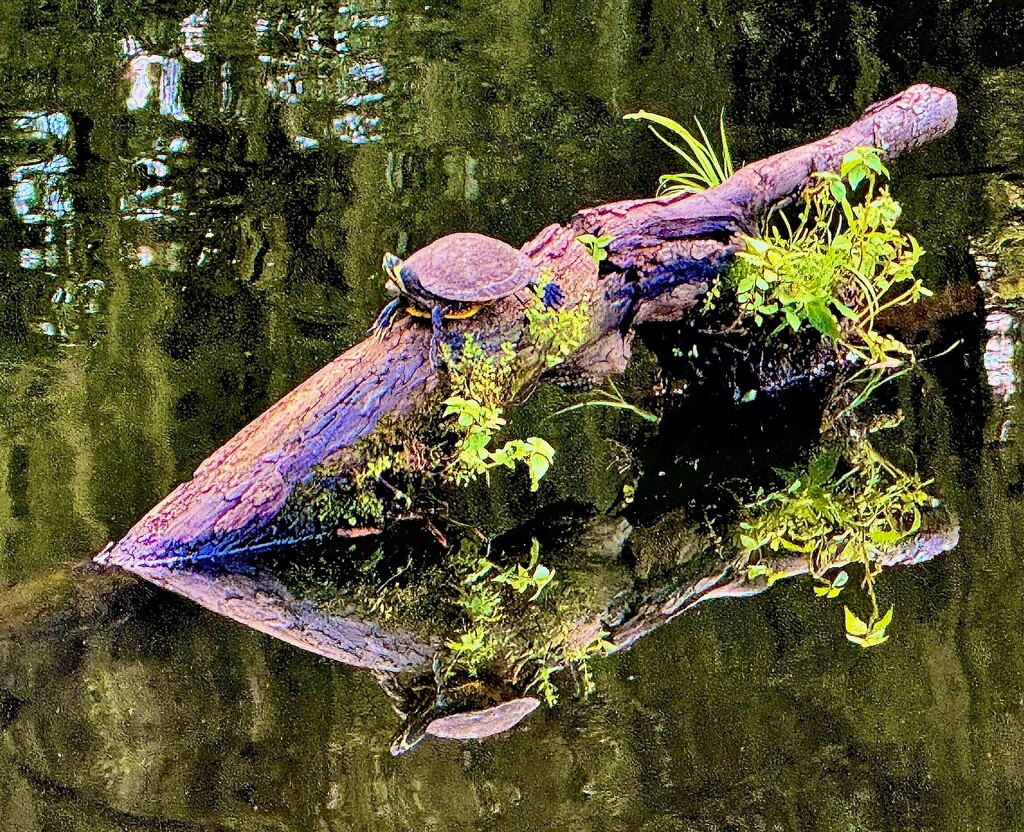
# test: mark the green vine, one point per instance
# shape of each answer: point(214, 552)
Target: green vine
point(481, 384)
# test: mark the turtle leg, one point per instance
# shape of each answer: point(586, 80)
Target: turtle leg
point(385, 318)
point(437, 319)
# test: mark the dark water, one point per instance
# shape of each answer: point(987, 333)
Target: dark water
point(195, 205)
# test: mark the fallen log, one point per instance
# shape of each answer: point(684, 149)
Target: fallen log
point(663, 255)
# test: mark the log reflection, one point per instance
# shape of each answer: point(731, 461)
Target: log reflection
point(458, 706)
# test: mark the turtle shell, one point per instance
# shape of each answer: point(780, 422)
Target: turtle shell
point(475, 725)
point(470, 268)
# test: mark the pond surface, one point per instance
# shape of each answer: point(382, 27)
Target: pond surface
point(195, 203)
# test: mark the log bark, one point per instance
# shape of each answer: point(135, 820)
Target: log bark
point(663, 255)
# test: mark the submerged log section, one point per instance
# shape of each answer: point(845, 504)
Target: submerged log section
point(663, 255)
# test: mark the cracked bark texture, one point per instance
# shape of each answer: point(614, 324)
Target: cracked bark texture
point(663, 256)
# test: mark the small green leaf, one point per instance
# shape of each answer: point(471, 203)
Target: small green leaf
point(541, 578)
point(822, 320)
point(823, 466)
point(867, 636)
point(755, 244)
point(884, 622)
point(484, 566)
point(854, 626)
point(845, 310)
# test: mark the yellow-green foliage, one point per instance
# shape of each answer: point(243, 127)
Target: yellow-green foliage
point(708, 167)
point(834, 517)
point(522, 618)
point(556, 333)
point(836, 269)
point(482, 384)
point(392, 455)
point(597, 247)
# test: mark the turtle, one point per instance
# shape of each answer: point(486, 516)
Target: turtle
point(453, 277)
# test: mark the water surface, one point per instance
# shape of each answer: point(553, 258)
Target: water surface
point(196, 200)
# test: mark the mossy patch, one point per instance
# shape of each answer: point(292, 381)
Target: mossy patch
point(447, 441)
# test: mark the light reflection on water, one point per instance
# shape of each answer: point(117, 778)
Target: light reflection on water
point(327, 55)
point(42, 199)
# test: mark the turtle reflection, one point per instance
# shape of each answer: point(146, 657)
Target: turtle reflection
point(469, 644)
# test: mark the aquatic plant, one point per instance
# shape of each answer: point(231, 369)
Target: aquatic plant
point(482, 384)
point(453, 439)
point(836, 515)
point(596, 246)
point(611, 398)
point(708, 167)
point(521, 618)
point(837, 268)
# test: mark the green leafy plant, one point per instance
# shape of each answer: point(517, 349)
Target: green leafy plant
point(837, 268)
point(609, 398)
point(708, 167)
point(535, 452)
point(523, 580)
point(522, 618)
point(555, 332)
point(483, 381)
point(831, 588)
point(867, 633)
point(835, 517)
point(596, 246)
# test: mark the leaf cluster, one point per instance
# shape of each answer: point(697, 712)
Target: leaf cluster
point(834, 517)
point(596, 246)
point(481, 382)
point(520, 617)
point(708, 167)
point(837, 268)
point(556, 333)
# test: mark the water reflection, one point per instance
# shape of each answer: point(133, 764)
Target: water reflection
point(43, 200)
point(147, 73)
point(129, 709)
point(413, 668)
point(327, 55)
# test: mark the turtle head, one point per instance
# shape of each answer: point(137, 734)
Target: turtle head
point(393, 269)
point(410, 736)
